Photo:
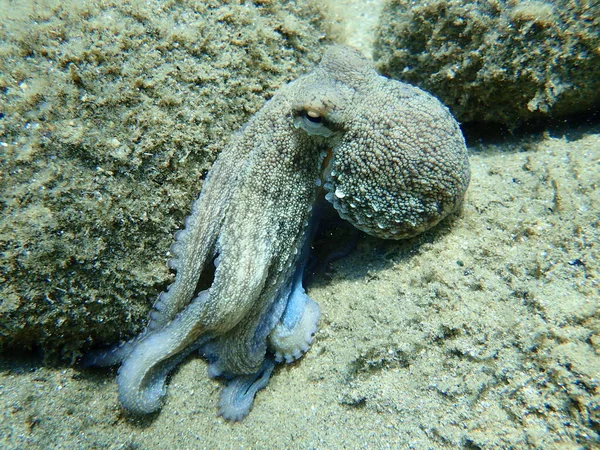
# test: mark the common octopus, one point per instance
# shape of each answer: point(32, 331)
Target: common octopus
point(388, 156)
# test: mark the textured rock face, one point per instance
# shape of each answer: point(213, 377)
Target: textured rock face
point(110, 115)
point(496, 61)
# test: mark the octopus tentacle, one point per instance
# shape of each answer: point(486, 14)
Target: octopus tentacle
point(237, 397)
point(141, 378)
point(239, 289)
point(195, 244)
point(294, 334)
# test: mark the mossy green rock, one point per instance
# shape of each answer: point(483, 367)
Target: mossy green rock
point(111, 114)
point(495, 60)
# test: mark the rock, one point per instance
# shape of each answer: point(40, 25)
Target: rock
point(496, 61)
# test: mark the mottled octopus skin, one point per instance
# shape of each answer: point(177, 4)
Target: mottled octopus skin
point(398, 166)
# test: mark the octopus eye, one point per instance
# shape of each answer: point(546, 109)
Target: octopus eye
point(313, 116)
point(313, 123)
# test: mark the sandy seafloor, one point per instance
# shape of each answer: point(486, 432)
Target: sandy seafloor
point(482, 333)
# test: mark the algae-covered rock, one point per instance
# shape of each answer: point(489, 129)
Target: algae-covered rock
point(496, 60)
point(110, 115)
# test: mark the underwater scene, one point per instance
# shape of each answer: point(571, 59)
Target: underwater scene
point(299, 225)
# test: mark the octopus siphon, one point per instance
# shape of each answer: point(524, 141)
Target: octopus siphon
point(388, 156)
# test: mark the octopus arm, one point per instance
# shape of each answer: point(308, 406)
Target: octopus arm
point(257, 241)
point(194, 246)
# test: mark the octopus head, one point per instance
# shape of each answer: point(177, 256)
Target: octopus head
point(398, 161)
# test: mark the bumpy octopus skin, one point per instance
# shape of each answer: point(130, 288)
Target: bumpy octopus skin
point(390, 158)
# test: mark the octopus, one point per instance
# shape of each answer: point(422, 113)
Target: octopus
point(388, 156)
